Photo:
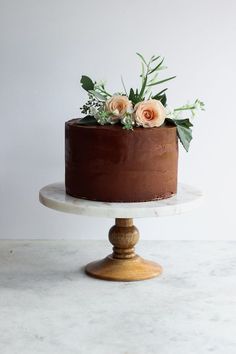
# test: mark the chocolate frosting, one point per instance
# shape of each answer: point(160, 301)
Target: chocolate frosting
point(108, 163)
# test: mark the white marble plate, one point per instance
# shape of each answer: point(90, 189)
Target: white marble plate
point(53, 196)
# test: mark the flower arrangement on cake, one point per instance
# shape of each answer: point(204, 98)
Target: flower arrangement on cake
point(139, 107)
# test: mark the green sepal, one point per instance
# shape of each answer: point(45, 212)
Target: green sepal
point(86, 83)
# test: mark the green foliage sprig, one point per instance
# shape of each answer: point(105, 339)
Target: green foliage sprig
point(96, 112)
point(184, 125)
point(149, 78)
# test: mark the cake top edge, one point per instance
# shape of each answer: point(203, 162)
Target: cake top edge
point(75, 123)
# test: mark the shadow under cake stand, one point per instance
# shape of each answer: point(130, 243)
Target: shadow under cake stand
point(123, 264)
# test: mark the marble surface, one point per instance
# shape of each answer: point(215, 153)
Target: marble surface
point(49, 306)
point(53, 196)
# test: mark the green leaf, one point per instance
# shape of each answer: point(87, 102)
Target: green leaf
point(163, 99)
point(161, 82)
point(88, 120)
point(184, 131)
point(183, 122)
point(156, 68)
point(123, 84)
point(142, 58)
point(131, 95)
point(170, 121)
point(134, 97)
point(185, 136)
point(159, 94)
point(142, 75)
point(87, 83)
point(143, 87)
point(155, 58)
point(97, 95)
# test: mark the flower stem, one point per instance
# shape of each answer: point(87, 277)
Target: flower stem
point(184, 108)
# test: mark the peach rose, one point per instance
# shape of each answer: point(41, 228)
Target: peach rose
point(118, 105)
point(150, 113)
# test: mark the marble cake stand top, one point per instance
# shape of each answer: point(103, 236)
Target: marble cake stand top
point(54, 196)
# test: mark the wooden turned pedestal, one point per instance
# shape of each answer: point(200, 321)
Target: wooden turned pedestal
point(123, 264)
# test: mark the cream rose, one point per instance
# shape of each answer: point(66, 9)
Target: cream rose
point(118, 105)
point(150, 113)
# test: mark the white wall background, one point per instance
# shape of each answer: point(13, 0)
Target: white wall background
point(45, 47)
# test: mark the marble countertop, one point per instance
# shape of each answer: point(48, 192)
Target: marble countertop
point(49, 306)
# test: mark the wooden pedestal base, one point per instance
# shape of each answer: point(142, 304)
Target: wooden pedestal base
point(123, 264)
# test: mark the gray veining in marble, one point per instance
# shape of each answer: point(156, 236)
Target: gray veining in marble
point(54, 196)
point(49, 306)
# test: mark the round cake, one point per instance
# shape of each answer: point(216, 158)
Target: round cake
point(111, 164)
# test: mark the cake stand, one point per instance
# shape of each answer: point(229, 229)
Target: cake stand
point(123, 264)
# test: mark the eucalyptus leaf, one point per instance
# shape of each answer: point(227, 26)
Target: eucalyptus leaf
point(87, 83)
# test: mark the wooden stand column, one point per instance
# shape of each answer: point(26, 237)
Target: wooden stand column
point(123, 264)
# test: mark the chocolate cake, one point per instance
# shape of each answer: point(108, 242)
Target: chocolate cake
point(111, 164)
